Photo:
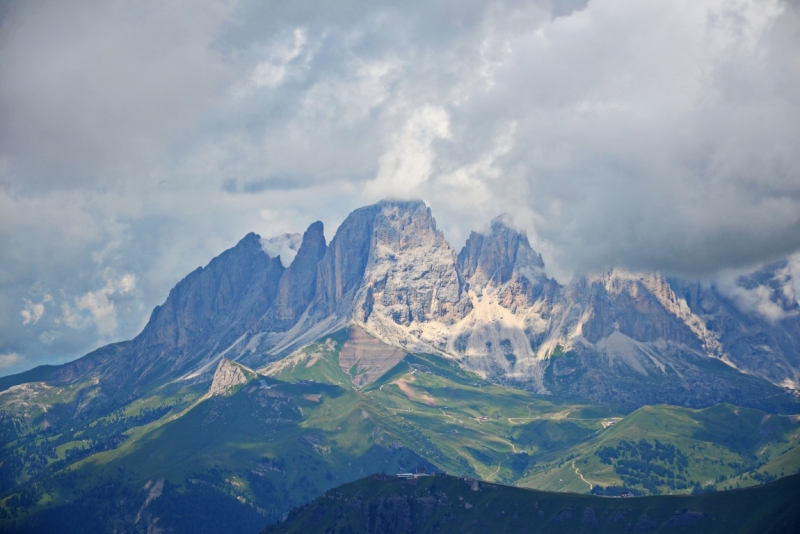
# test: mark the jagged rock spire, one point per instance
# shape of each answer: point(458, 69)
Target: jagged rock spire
point(298, 283)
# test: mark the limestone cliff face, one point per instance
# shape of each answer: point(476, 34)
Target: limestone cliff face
point(203, 315)
point(341, 270)
point(640, 306)
point(512, 305)
point(503, 263)
point(236, 288)
point(755, 318)
point(642, 338)
point(497, 256)
point(411, 274)
point(719, 319)
point(411, 281)
point(496, 311)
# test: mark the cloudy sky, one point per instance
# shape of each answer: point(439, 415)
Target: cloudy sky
point(139, 139)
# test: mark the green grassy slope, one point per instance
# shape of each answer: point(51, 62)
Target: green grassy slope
point(667, 449)
point(467, 426)
point(448, 504)
point(300, 427)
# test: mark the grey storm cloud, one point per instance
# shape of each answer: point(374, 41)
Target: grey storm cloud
point(140, 139)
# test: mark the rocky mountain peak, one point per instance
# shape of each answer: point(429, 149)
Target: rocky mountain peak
point(405, 225)
point(342, 267)
point(412, 274)
point(493, 258)
point(229, 375)
point(392, 244)
point(210, 307)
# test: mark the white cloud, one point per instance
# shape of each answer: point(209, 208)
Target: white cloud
point(794, 266)
point(764, 299)
point(126, 284)
point(10, 359)
point(284, 245)
point(97, 308)
point(33, 311)
point(470, 185)
point(759, 300)
point(272, 72)
point(351, 98)
point(106, 91)
point(48, 337)
point(408, 162)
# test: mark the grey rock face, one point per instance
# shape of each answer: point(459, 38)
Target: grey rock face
point(640, 338)
point(208, 309)
point(493, 257)
point(298, 283)
point(756, 318)
point(390, 269)
point(236, 288)
point(341, 270)
point(204, 313)
point(620, 302)
point(512, 304)
point(504, 259)
point(411, 275)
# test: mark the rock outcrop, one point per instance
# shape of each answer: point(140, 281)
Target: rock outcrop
point(229, 375)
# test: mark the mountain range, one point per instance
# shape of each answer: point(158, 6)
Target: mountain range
point(621, 337)
point(256, 387)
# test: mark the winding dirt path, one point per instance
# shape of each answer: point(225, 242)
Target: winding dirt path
point(450, 416)
point(580, 475)
point(497, 470)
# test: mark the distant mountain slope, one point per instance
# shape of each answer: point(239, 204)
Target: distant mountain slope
point(444, 504)
point(253, 444)
point(666, 449)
